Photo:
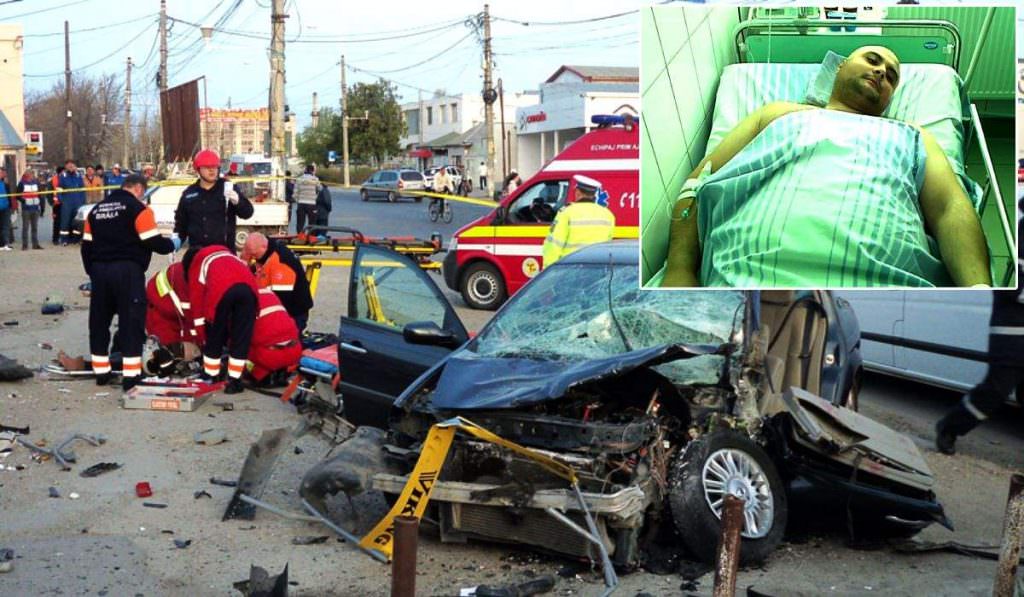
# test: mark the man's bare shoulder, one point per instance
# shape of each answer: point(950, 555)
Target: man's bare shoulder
point(769, 112)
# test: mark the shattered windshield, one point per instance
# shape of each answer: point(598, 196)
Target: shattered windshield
point(565, 316)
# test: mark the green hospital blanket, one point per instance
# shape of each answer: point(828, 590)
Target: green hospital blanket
point(820, 199)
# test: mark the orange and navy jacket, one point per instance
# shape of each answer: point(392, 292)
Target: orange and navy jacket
point(211, 273)
point(122, 228)
point(281, 271)
point(168, 311)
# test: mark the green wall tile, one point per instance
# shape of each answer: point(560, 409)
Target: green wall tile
point(672, 29)
point(652, 61)
point(659, 111)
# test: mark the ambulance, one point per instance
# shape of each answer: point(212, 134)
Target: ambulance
point(492, 257)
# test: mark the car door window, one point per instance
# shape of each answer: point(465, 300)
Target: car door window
point(389, 292)
point(389, 177)
point(539, 203)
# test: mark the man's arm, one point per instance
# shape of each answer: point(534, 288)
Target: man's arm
point(951, 219)
point(181, 218)
point(243, 208)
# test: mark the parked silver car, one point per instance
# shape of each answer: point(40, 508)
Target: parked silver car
point(391, 184)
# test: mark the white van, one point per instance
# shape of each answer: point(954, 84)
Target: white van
point(938, 337)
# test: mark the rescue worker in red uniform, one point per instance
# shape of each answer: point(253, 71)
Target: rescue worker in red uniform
point(222, 294)
point(167, 306)
point(275, 340)
point(275, 343)
point(278, 269)
point(118, 241)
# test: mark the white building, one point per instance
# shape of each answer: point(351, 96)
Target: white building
point(450, 129)
point(567, 101)
point(12, 102)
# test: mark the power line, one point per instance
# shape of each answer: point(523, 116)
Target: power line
point(556, 23)
point(433, 57)
point(97, 28)
point(52, 8)
point(92, 64)
point(333, 40)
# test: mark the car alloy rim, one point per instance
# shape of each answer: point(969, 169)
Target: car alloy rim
point(483, 281)
point(736, 472)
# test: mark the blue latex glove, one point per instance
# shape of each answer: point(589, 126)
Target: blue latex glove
point(177, 241)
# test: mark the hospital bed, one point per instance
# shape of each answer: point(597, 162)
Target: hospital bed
point(780, 58)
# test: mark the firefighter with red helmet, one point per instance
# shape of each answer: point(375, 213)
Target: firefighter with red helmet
point(222, 295)
point(208, 208)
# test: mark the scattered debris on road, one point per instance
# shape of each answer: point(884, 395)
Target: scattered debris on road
point(210, 437)
point(309, 539)
point(54, 492)
point(98, 469)
point(154, 505)
point(260, 583)
point(143, 489)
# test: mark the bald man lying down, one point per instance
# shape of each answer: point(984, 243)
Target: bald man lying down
point(801, 196)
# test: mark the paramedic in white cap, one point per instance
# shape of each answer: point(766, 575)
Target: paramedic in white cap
point(581, 223)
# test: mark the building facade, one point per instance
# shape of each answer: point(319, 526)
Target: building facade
point(567, 101)
point(12, 101)
point(231, 131)
point(450, 129)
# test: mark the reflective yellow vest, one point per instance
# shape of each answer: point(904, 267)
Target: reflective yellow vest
point(578, 225)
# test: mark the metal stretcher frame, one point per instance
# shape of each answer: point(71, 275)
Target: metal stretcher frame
point(789, 37)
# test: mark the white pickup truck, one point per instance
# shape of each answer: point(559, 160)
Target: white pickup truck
point(269, 216)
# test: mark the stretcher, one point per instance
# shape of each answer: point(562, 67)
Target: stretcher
point(333, 246)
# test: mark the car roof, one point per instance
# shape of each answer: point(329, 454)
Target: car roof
point(618, 252)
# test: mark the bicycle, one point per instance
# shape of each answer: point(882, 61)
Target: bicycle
point(439, 208)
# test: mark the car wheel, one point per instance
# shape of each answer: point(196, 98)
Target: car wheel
point(391, 196)
point(482, 287)
point(364, 195)
point(710, 466)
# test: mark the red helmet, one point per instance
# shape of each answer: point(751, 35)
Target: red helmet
point(206, 158)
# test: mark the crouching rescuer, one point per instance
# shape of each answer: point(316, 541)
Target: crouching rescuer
point(223, 298)
point(118, 241)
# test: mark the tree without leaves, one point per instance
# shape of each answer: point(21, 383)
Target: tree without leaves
point(95, 140)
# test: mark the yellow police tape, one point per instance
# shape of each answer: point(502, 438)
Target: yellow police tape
point(416, 493)
point(235, 179)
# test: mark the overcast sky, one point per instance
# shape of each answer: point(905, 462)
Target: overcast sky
point(237, 66)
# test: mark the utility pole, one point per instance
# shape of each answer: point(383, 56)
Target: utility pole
point(344, 123)
point(127, 114)
point(501, 110)
point(423, 123)
point(277, 18)
point(163, 70)
point(67, 92)
point(489, 97)
point(316, 112)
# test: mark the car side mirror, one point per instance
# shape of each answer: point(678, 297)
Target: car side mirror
point(499, 214)
point(427, 333)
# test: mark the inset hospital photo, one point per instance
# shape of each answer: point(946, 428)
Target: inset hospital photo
point(807, 147)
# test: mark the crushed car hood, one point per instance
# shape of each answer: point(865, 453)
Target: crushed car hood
point(468, 381)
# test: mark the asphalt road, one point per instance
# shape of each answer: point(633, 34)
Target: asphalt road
point(405, 217)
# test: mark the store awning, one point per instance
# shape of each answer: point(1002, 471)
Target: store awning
point(420, 153)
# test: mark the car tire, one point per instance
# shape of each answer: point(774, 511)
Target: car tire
point(364, 195)
point(391, 197)
point(705, 463)
point(483, 287)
